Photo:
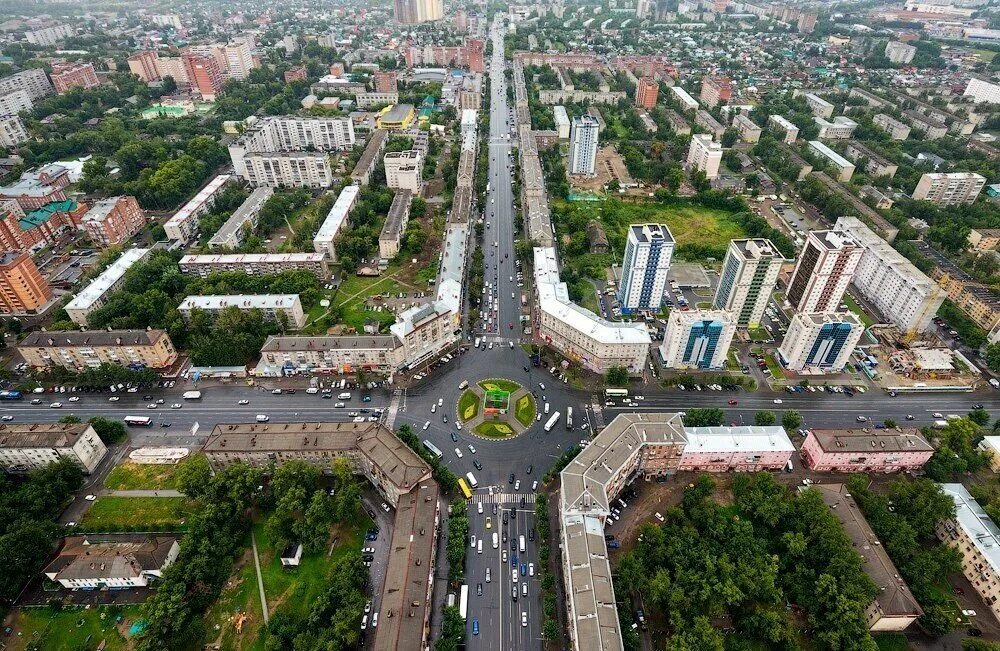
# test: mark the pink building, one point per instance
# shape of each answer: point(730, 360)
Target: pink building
point(859, 450)
point(743, 449)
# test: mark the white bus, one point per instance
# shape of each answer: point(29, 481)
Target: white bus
point(138, 421)
point(552, 422)
point(463, 600)
point(433, 449)
point(569, 418)
point(472, 480)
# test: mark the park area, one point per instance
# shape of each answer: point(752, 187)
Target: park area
point(468, 405)
point(111, 513)
point(51, 629)
point(497, 408)
point(146, 476)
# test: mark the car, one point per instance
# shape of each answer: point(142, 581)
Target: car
point(74, 398)
point(510, 479)
point(114, 399)
point(7, 418)
point(368, 558)
point(147, 397)
point(444, 418)
point(909, 417)
point(368, 607)
point(734, 402)
point(176, 405)
point(777, 401)
point(90, 498)
point(458, 453)
point(477, 465)
point(658, 516)
point(368, 550)
point(243, 402)
point(276, 392)
point(937, 415)
point(487, 575)
point(530, 468)
point(489, 522)
point(385, 507)
point(55, 405)
point(977, 406)
point(524, 569)
point(472, 449)
point(454, 437)
point(152, 405)
point(427, 424)
point(517, 485)
point(862, 419)
point(475, 625)
point(36, 401)
point(165, 424)
point(524, 619)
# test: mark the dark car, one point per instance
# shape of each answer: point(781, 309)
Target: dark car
point(367, 557)
point(164, 424)
point(479, 589)
point(289, 390)
point(530, 468)
point(513, 593)
point(531, 535)
point(510, 479)
point(454, 437)
point(477, 466)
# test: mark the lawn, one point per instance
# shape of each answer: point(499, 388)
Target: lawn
point(137, 514)
point(891, 642)
point(524, 411)
point(986, 56)
point(72, 628)
point(468, 405)
point(853, 306)
point(354, 291)
point(772, 364)
point(144, 476)
point(759, 334)
point(494, 430)
point(239, 597)
point(499, 385)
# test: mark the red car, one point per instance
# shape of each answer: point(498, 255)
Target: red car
point(510, 325)
point(734, 402)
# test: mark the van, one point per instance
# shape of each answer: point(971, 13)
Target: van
point(479, 546)
point(262, 418)
point(488, 572)
point(464, 385)
point(546, 407)
point(496, 540)
point(344, 396)
point(520, 543)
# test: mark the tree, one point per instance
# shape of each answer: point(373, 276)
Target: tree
point(890, 423)
point(617, 376)
point(452, 630)
point(980, 417)
point(764, 418)
point(194, 475)
point(791, 419)
point(704, 417)
point(110, 431)
point(993, 357)
point(729, 137)
point(70, 420)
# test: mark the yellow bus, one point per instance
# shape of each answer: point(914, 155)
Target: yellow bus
point(464, 485)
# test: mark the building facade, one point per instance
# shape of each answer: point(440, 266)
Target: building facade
point(143, 65)
point(89, 349)
point(270, 306)
point(949, 188)
point(789, 132)
point(404, 170)
point(324, 241)
point(749, 273)
point(12, 131)
point(66, 76)
point(645, 93)
point(346, 355)
point(715, 90)
point(183, 225)
point(648, 251)
point(697, 339)
point(242, 221)
point(704, 155)
point(977, 538)
point(255, 264)
point(28, 446)
point(23, 289)
point(34, 81)
point(982, 91)
point(96, 293)
point(113, 221)
point(204, 74)
point(897, 130)
point(863, 450)
point(823, 272)
point(820, 343)
point(583, 141)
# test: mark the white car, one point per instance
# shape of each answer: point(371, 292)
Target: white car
point(176, 405)
point(7, 418)
point(151, 405)
point(458, 425)
point(385, 507)
point(778, 401)
point(427, 424)
point(55, 405)
point(458, 453)
point(74, 398)
point(524, 619)
point(472, 449)
point(243, 402)
point(114, 399)
point(90, 498)
point(531, 569)
point(276, 392)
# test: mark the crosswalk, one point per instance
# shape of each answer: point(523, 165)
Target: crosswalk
point(503, 498)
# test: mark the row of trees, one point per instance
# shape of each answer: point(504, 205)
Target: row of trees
point(715, 417)
point(303, 509)
point(458, 533)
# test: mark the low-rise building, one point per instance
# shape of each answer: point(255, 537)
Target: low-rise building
point(870, 99)
point(255, 264)
point(66, 76)
point(243, 219)
point(897, 130)
point(96, 293)
point(931, 128)
point(984, 239)
point(819, 106)
point(866, 450)
point(365, 166)
point(366, 101)
point(183, 225)
point(875, 165)
point(426, 331)
point(677, 122)
point(38, 187)
point(325, 237)
point(820, 342)
point(561, 119)
point(976, 537)
point(404, 170)
point(982, 91)
point(894, 607)
point(397, 117)
point(12, 131)
point(788, 131)
point(391, 237)
point(35, 229)
point(844, 168)
point(899, 52)
point(80, 350)
point(115, 220)
point(345, 355)
point(990, 445)
point(687, 102)
point(270, 306)
point(949, 188)
point(748, 129)
point(28, 446)
point(112, 561)
point(750, 448)
point(840, 129)
point(697, 339)
point(23, 289)
point(706, 120)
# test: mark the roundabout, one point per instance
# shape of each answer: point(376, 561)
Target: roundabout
point(496, 409)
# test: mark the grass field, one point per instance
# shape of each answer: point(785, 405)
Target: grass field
point(853, 306)
point(354, 291)
point(524, 411)
point(986, 56)
point(468, 406)
point(494, 430)
point(499, 385)
point(74, 628)
point(759, 334)
point(137, 514)
point(135, 476)
point(891, 642)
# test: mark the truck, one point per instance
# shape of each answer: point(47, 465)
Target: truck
point(192, 395)
point(551, 422)
point(940, 424)
point(10, 395)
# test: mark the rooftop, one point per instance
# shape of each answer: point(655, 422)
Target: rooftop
point(976, 524)
point(114, 556)
point(291, 344)
point(108, 278)
point(251, 258)
point(247, 211)
point(398, 211)
point(196, 203)
point(243, 301)
point(100, 210)
point(41, 435)
point(836, 158)
point(338, 214)
point(76, 338)
point(650, 232)
point(861, 440)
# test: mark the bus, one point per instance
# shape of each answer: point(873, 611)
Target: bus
point(569, 418)
point(472, 480)
point(463, 601)
point(138, 421)
point(466, 491)
point(552, 422)
point(10, 395)
point(615, 393)
point(433, 449)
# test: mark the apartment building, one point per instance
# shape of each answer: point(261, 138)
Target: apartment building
point(255, 264)
point(645, 93)
point(706, 120)
point(949, 188)
point(96, 293)
point(819, 106)
point(66, 76)
point(984, 239)
point(903, 295)
point(404, 170)
point(687, 102)
point(326, 236)
point(14, 102)
point(841, 128)
point(20, 231)
point(715, 90)
point(114, 220)
point(788, 131)
point(204, 74)
point(23, 289)
point(875, 164)
point(390, 239)
point(89, 349)
point(697, 339)
point(238, 59)
point(342, 355)
point(33, 81)
point(38, 187)
point(843, 167)
point(866, 450)
point(899, 52)
point(974, 534)
point(820, 342)
point(144, 65)
point(112, 561)
point(583, 139)
point(894, 608)
point(990, 445)
point(412, 12)
point(365, 166)
point(871, 99)
point(288, 169)
point(29, 446)
point(271, 306)
point(183, 225)
point(561, 120)
point(931, 128)
point(982, 91)
point(704, 155)
point(48, 36)
point(287, 150)
point(385, 81)
point(749, 273)
point(426, 331)
point(747, 128)
point(578, 333)
point(677, 122)
point(823, 272)
point(12, 131)
point(242, 221)
point(365, 101)
point(648, 250)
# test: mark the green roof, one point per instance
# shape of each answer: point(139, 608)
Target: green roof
point(41, 215)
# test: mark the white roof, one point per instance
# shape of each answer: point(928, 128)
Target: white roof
point(837, 159)
point(977, 525)
point(252, 258)
point(193, 206)
point(242, 301)
point(97, 289)
point(338, 214)
point(785, 124)
point(734, 439)
point(684, 97)
point(247, 211)
point(560, 115)
point(553, 298)
point(468, 117)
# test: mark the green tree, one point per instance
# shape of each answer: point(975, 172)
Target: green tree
point(791, 419)
point(704, 417)
point(452, 630)
point(110, 431)
point(890, 423)
point(980, 417)
point(729, 137)
point(617, 376)
point(764, 417)
point(194, 475)
point(993, 357)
